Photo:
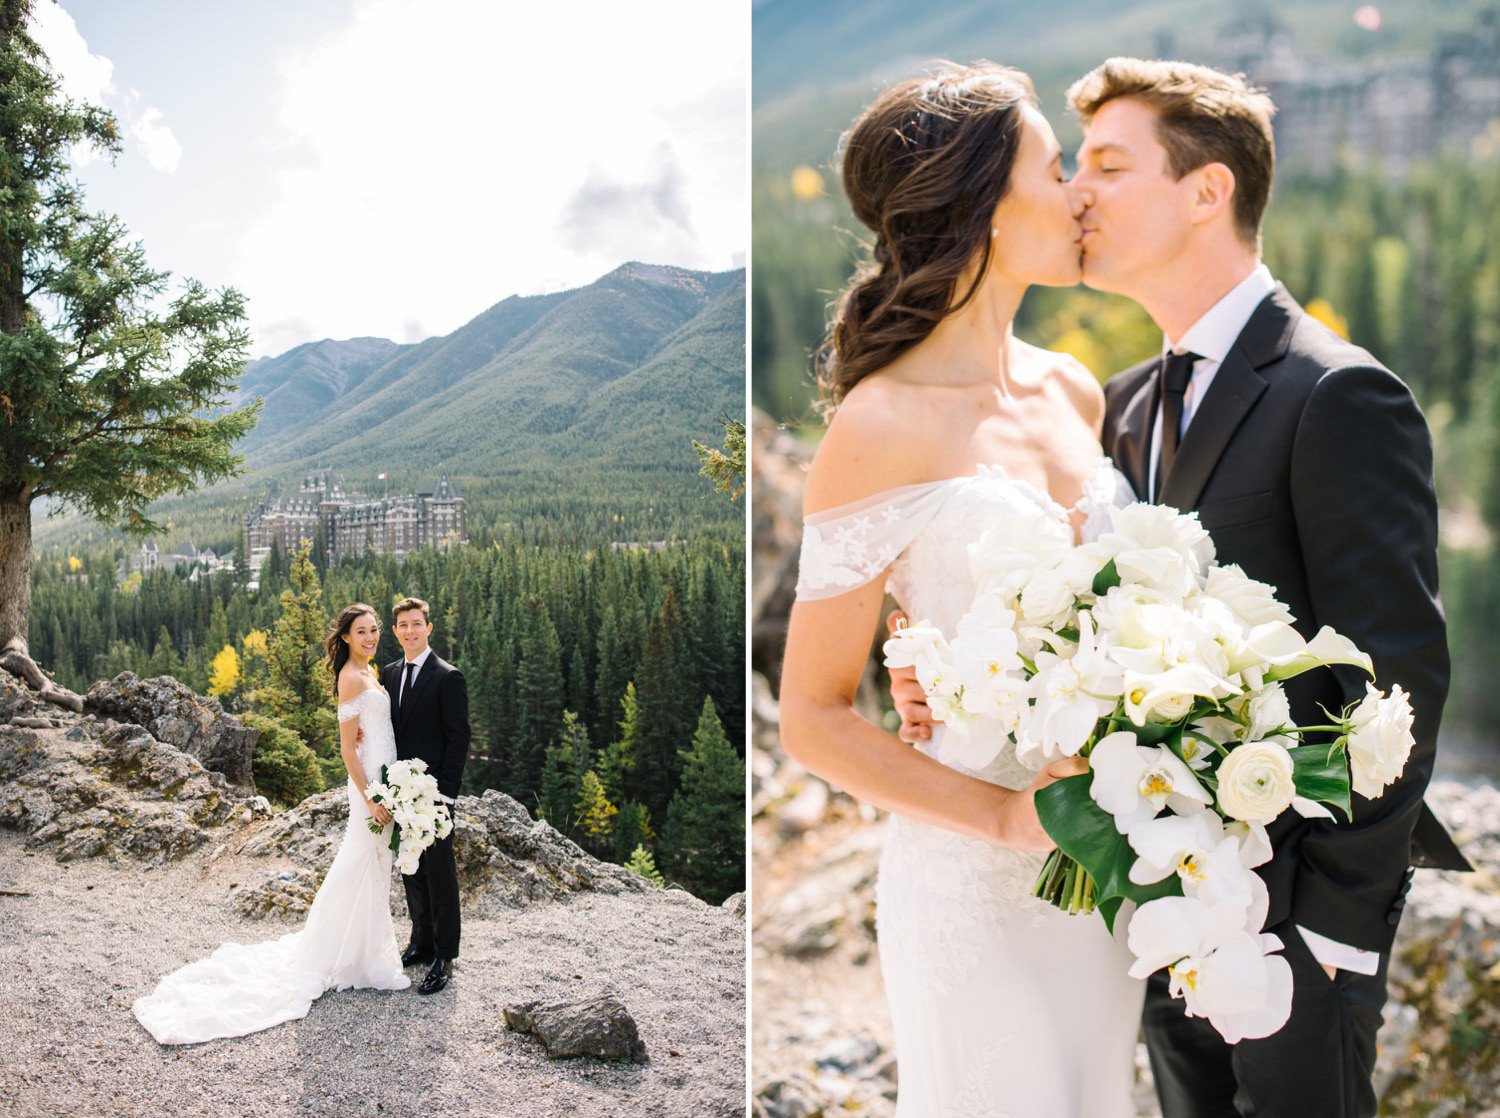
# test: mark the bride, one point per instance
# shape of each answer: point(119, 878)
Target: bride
point(349, 939)
point(947, 426)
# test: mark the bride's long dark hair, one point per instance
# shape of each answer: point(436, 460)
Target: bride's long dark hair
point(335, 648)
point(924, 167)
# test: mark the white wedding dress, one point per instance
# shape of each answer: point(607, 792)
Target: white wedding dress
point(1002, 1006)
point(349, 939)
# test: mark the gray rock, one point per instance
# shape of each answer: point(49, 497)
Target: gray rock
point(290, 891)
point(598, 1026)
point(175, 715)
point(125, 795)
point(735, 904)
point(516, 859)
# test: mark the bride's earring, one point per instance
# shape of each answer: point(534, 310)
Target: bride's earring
point(994, 232)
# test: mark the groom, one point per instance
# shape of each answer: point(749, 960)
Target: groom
point(430, 712)
point(1310, 465)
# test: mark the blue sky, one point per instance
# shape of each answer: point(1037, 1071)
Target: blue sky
point(393, 167)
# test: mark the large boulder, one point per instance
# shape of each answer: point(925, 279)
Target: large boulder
point(598, 1026)
point(91, 789)
point(502, 850)
point(177, 716)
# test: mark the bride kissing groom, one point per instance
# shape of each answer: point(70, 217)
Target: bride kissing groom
point(1307, 461)
point(416, 709)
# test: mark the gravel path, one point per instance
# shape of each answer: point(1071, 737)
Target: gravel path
point(93, 936)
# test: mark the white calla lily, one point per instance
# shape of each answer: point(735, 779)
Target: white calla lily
point(1324, 650)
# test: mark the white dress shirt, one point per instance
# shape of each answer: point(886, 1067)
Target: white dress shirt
point(401, 691)
point(1212, 337)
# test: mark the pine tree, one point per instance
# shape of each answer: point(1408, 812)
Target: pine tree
point(704, 839)
point(297, 690)
point(610, 674)
point(567, 760)
point(642, 863)
point(286, 772)
point(617, 765)
point(164, 659)
point(595, 814)
point(112, 397)
point(665, 688)
point(539, 697)
point(632, 829)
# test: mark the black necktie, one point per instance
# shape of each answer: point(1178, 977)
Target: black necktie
point(405, 687)
point(1175, 374)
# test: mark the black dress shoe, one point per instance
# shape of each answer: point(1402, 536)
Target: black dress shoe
point(414, 955)
point(437, 977)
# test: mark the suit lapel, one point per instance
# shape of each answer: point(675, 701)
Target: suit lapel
point(429, 667)
point(1235, 388)
point(1132, 447)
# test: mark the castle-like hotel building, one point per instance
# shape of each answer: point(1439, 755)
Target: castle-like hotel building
point(352, 524)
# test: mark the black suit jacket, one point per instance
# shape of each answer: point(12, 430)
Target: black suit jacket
point(1310, 464)
point(433, 723)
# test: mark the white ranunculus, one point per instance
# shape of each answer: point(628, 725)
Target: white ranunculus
point(1255, 782)
point(1133, 782)
point(1380, 740)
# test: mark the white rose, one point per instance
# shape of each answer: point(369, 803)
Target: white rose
point(1267, 711)
point(1254, 603)
point(1255, 782)
point(1380, 741)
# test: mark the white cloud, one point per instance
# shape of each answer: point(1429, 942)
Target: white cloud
point(434, 156)
point(86, 76)
point(161, 148)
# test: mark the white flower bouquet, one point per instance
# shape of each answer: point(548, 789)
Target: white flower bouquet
point(418, 817)
point(1165, 670)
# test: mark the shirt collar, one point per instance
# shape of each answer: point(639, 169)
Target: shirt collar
point(1213, 335)
point(418, 661)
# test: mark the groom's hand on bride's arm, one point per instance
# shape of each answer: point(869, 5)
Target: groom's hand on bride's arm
point(907, 694)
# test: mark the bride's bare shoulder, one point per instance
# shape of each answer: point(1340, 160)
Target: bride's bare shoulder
point(1071, 378)
point(875, 440)
point(353, 683)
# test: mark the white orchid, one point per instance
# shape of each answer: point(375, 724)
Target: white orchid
point(1133, 782)
point(1179, 844)
point(1380, 740)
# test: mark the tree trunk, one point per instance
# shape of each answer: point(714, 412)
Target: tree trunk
point(15, 602)
point(15, 571)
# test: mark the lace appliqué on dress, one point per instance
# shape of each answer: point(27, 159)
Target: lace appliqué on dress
point(846, 547)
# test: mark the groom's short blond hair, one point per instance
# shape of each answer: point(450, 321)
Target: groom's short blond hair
point(1204, 116)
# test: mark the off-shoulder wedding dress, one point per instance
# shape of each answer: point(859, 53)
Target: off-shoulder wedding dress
point(349, 939)
point(1002, 1006)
